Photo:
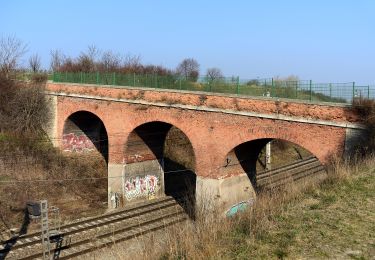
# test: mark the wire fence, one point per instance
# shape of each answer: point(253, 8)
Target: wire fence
point(29, 76)
point(275, 88)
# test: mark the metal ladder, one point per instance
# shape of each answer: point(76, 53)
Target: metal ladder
point(45, 229)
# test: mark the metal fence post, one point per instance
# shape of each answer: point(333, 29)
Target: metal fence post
point(265, 87)
point(368, 92)
point(310, 90)
point(97, 77)
point(114, 78)
point(133, 79)
point(330, 90)
point(179, 80)
point(272, 88)
point(353, 94)
point(238, 85)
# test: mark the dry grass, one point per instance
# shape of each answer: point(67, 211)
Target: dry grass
point(315, 219)
point(27, 156)
point(23, 161)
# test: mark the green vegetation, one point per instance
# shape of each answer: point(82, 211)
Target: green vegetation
point(336, 221)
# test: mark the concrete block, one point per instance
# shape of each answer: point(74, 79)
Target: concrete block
point(224, 193)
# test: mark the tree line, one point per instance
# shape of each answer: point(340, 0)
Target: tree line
point(94, 59)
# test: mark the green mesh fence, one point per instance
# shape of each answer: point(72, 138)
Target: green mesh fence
point(301, 89)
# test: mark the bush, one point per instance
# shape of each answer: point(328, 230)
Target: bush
point(23, 106)
point(39, 78)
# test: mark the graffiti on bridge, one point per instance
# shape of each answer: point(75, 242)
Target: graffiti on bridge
point(141, 187)
point(239, 207)
point(77, 143)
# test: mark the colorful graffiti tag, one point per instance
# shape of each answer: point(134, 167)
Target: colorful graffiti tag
point(77, 143)
point(141, 187)
point(239, 207)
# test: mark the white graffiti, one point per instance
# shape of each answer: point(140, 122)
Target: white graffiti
point(141, 187)
point(136, 157)
point(77, 143)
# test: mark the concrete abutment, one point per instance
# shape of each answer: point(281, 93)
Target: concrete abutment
point(223, 193)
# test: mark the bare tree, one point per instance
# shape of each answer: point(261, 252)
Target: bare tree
point(290, 81)
point(57, 60)
point(87, 61)
point(11, 50)
point(23, 109)
point(35, 63)
point(132, 64)
point(110, 61)
point(132, 60)
point(189, 69)
point(214, 74)
point(93, 52)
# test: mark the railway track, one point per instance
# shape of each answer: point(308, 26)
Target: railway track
point(87, 235)
point(289, 173)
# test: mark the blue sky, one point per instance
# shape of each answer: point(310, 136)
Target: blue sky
point(327, 41)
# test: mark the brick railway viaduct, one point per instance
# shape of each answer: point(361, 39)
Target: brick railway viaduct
point(215, 137)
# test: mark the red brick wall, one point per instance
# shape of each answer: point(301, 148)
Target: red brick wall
point(241, 103)
point(212, 134)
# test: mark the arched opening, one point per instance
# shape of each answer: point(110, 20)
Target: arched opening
point(160, 152)
point(85, 139)
point(85, 133)
point(271, 163)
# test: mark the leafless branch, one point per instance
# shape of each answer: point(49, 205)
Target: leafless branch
point(35, 63)
point(11, 50)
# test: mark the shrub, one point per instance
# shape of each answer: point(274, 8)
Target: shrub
point(23, 107)
point(39, 78)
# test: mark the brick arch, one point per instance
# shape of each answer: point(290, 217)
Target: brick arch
point(190, 136)
point(311, 143)
point(85, 132)
point(241, 160)
point(163, 152)
point(304, 145)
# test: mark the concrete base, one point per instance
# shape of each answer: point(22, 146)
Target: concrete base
point(129, 183)
point(223, 193)
point(115, 172)
point(143, 180)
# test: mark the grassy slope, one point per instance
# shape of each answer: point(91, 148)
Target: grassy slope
point(333, 221)
point(22, 160)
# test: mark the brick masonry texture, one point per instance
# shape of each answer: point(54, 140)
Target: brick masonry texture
point(213, 135)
